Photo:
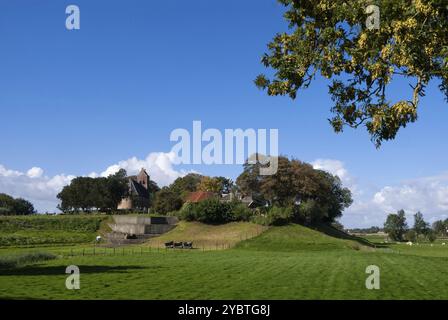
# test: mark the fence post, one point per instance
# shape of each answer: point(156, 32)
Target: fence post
point(83, 251)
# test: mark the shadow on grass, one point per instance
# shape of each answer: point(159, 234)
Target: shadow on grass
point(41, 270)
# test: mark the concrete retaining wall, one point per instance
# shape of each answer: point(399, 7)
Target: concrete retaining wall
point(142, 225)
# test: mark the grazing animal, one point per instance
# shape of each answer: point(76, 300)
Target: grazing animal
point(409, 243)
point(98, 238)
point(443, 243)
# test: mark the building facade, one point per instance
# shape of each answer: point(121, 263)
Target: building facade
point(139, 193)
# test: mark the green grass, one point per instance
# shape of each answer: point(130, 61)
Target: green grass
point(290, 262)
point(206, 236)
point(45, 230)
point(297, 238)
point(19, 260)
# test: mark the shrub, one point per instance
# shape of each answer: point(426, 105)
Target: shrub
point(241, 212)
point(214, 211)
point(166, 201)
point(188, 212)
point(279, 216)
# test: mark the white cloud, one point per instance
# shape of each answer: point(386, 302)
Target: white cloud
point(33, 186)
point(8, 173)
point(428, 195)
point(372, 205)
point(41, 190)
point(159, 166)
point(35, 172)
point(337, 168)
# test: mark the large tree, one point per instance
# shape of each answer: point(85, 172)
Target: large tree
point(12, 206)
point(167, 200)
point(319, 194)
point(86, 194)
point(440, 227)
point(219, 185)
point(421, 227)
point(184, 185)
point(332, 38)
point(396, 226)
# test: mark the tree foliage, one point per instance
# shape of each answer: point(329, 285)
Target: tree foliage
point(218, 185)
point(86, 194)
point(213, 211)
point(319, 195)
point(184, 185)
point(421, 227)
point(330, 37)
point(12, 206)
point(396, 226)
point(440, 227)
point(167, 200)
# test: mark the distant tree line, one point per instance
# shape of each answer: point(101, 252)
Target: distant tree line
point(397, 228)
point(12, 206)
point(366, 230)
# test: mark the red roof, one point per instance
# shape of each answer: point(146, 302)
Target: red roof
point(198, 196)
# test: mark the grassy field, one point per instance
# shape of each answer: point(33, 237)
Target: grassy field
point(49, 230)
point(290, 262)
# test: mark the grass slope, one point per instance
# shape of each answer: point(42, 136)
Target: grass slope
point(45, 230)
point(295, 237)
point(209, 236)
point(290, 262)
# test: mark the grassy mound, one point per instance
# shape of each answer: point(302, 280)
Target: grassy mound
point(37, 230)
point(295, 237)
point(209, 236)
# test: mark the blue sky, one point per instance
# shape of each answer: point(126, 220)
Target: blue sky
point(76, 102)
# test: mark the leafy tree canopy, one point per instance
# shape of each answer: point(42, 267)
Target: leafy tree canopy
point(396, 226)
point(319, 194)
point(330, 37)
point(12, 206)
point(184, 185)
point(420, 225)
point(217, 185)
point(85, 193)
point(167, 200)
